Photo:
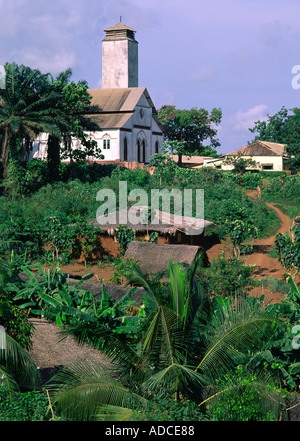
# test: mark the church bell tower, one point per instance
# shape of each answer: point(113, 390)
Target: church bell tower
point(119, 58)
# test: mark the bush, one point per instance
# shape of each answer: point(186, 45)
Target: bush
point(282, 188)
point(16, 322)
point(25, 406)
point(168, 409)
point(228, 277)
point(251, 180)
point(243, 400)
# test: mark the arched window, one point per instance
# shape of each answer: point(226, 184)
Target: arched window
point(156, 147)
point(138, 151)
point(125, 153)
point(106, 142)
point(144, 151)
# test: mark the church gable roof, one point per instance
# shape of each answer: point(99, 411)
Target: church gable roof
point(260, 148)
point(117, 105)
point(117, 100)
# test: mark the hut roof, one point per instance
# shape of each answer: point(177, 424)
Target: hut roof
point(155, 257)
point(260, 148)
point(190, 161)
point(161, 221)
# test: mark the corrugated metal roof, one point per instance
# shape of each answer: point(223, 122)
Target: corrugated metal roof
point(260, 148)
point(117, 100)
point(190, 159)
point(117, 105)
point(111, 120)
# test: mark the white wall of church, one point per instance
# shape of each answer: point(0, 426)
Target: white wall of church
point(112, 144)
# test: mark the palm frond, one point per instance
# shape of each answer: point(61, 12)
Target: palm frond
point(158, 342)
point(174, 379)
point(17, 360)
point(114, 413)
point(233, 332)
point(84, 390)
point(178, 289)
point(8, 382)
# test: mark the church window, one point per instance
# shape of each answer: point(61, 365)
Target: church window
point(156, 147)
point(139, 151)
point(144, 151)
point(125, 150)
point(106, 142)
point(141, 113)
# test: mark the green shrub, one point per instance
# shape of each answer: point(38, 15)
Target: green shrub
point(251, 180)
point(168, 409)
point(277, 285)
point(282, 188)
point(243, 400)
point(25, 406)
point(16, 322)
point(228, 277)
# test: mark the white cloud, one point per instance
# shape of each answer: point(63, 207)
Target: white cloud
point(243, 120)
point(49, 61)
point(234, 132)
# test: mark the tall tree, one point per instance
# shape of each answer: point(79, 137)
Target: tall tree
point(274, 129)
point(27, 108)
point(283, 128)
point(74, 118)
point(293, 141)
point(191, 128)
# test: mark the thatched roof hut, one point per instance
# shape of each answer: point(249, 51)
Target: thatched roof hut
point(155, 257)
point(161, 221)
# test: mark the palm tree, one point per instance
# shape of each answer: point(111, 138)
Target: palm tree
point(186, 342)
point(26, 109)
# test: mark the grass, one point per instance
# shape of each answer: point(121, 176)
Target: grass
point(290, 208)
point(277, 285)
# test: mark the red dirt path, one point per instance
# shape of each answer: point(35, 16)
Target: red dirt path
point(265, 265)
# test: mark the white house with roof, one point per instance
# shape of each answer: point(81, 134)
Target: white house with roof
point(130, 130)
point(268, 156)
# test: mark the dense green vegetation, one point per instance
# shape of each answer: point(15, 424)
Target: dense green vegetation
point(149, 339)
point(56, 213)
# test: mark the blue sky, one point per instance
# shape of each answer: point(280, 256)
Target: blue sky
point(235, 54)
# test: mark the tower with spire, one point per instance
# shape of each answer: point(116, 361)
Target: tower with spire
point(119, 57)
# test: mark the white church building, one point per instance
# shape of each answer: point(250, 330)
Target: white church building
point(130, 131)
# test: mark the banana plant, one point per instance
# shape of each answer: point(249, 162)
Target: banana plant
point(50, 294)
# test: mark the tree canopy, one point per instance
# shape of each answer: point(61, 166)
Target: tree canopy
point(283, 128)
point(26, 109)
point(33, 103)
point(191, 128)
